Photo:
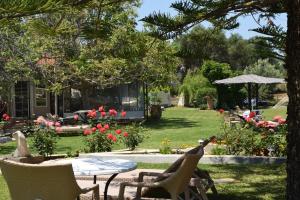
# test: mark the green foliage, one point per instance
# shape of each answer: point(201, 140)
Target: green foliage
point(135, 135)
point(250, 140)
point(267, 69)
point(165, 147)
point(97, 142)
point(196, 87)
point(213, 70)
point(218, 150)
point(44, 141)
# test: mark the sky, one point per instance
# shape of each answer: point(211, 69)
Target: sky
point(246, 23)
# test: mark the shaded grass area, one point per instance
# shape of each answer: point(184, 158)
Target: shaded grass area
point(252, 182)
point(268, 114)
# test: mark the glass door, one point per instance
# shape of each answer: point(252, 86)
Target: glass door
point(22, 99)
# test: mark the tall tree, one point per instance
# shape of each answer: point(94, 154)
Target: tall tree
point(224, 13)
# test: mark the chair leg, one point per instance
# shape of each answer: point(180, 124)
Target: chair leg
point(78, 198)
point(96, 194)
point(121, 192)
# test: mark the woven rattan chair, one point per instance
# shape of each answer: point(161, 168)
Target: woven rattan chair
point(175, 183)
point(42, 182)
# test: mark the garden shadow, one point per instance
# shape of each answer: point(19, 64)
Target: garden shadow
point(169, 123)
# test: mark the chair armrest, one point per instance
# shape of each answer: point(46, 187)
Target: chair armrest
point(157, 174)
point(87, 189)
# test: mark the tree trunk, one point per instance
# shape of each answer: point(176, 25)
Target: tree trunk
point(293, 70)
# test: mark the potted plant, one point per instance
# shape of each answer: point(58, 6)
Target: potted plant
point(155, 106)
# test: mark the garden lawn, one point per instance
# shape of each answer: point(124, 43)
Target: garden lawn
point(182, 126)
point(252, 182)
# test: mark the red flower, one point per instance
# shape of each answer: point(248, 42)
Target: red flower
point(110, 136)
point(6, 117)
point(125, 134)
point(123, 114)
point(118, 131)
point(106, 126)
point(113, 112)
point(103, 114)
point(92, 114)
point(57, 124)
point(248, 119)
point(221, 111)
point(101, 109)
point(99, 126)
point(94, 129)
point(114, 139)
point(252, 114)
point(102, 130)
point(76, 117)
point(87, 132)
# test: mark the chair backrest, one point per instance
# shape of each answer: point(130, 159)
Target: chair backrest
point(37, 182)
point(179, 181)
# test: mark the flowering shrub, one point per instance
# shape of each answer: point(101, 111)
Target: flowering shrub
point(165, 147)
point(256, 137)
point(133, 136)
point(45, 136)
point(4, 120)
point(44, 141)
point(104, 131)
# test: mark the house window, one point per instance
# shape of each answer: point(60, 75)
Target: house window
point(40, 97)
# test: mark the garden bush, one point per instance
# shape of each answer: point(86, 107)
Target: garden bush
point(260, 138)
point(104, 131)
point(44, 141)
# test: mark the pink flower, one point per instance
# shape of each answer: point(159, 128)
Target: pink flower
point(102, 130)
point(4, 115)
point(118, 131)
point(281, 121)
point(106, 126)
point(57, 124)
point(125, 134)
point(87, 132)
point(101, 109)
point(94, 129)
point(277, 118)
point(76, 117)
point(103, 114)
point(261, 124)
point(50, 123)
point(114, 139)
point(123, 114)
point(113, 112)
point(58, 130)
point(99, 126)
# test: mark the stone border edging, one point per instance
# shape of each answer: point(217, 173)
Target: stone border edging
point(206, 159)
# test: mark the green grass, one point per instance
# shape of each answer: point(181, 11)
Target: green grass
point(183, 126)
point(253, 182)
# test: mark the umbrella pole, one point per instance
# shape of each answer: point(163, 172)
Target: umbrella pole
point(250, 96)
point(256, 93)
